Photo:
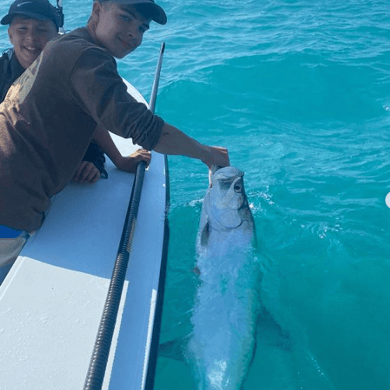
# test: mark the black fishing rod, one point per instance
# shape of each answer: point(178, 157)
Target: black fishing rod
point(153, 97)
point(60, 15)
point(98, 363)
point(152, 361)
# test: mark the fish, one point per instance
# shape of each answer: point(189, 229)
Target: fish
point(225, 212)
point(225, 317)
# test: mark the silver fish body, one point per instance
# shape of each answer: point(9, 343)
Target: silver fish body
point(224, 317)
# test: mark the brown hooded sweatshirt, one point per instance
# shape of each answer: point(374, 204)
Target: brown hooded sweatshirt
point(48, 118)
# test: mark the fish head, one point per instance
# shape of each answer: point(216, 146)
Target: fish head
point(226, 202)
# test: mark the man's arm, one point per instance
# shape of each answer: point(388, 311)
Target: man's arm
point(175, 142)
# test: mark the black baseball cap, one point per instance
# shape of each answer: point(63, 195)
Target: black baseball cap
point(155, 11)
point(34, 9)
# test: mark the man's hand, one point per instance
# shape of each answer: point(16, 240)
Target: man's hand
point(129, 164)
point(86, 173)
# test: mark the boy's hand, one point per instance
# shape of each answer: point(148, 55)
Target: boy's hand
point(86, 173)
point(129, 164)
point(217, 156)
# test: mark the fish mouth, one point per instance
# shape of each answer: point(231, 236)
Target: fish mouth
point(230, 220)
point(244, 215)
point(223, 227)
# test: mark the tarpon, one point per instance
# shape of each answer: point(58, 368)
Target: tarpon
point(227, 308)
point(224, 318)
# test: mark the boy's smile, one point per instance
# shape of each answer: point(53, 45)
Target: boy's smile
point(118, 28)
point(29, 37)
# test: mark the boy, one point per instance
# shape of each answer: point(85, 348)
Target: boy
point(88, 98)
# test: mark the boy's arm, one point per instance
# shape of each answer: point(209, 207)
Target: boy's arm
point(173, 141)
point(107, 145)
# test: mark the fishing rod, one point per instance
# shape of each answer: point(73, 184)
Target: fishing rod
point(98, 363)
point(152, 103)
point(61, 17)
point(148, 380)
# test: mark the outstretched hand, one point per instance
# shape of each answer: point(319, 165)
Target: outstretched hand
point(217, 156)
point(129, 163)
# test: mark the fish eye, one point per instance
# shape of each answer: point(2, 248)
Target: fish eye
point(237, 188)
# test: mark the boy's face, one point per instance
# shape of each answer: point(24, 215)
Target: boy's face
point(118, 28)
point(29, 37)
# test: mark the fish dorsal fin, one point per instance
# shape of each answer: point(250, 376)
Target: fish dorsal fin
point(204, 235)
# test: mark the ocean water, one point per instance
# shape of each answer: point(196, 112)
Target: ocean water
point(298, 91)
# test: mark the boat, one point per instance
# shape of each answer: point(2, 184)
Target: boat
point(55, 300)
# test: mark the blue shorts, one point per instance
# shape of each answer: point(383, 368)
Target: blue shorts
point(6, 232)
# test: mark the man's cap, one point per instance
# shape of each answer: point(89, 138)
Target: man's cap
point(155, 11)
point(34, 9)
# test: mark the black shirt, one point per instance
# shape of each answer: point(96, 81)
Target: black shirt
point(10, 70)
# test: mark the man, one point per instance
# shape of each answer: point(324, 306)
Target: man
point(47, 120)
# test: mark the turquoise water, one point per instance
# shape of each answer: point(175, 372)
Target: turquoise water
point(299, 93)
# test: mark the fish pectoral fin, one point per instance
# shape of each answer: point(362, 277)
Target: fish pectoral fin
point(270, 333)
point(172, 349)
point(204, 236)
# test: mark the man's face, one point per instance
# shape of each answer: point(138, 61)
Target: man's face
point(119, 28)
point(29, 37)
